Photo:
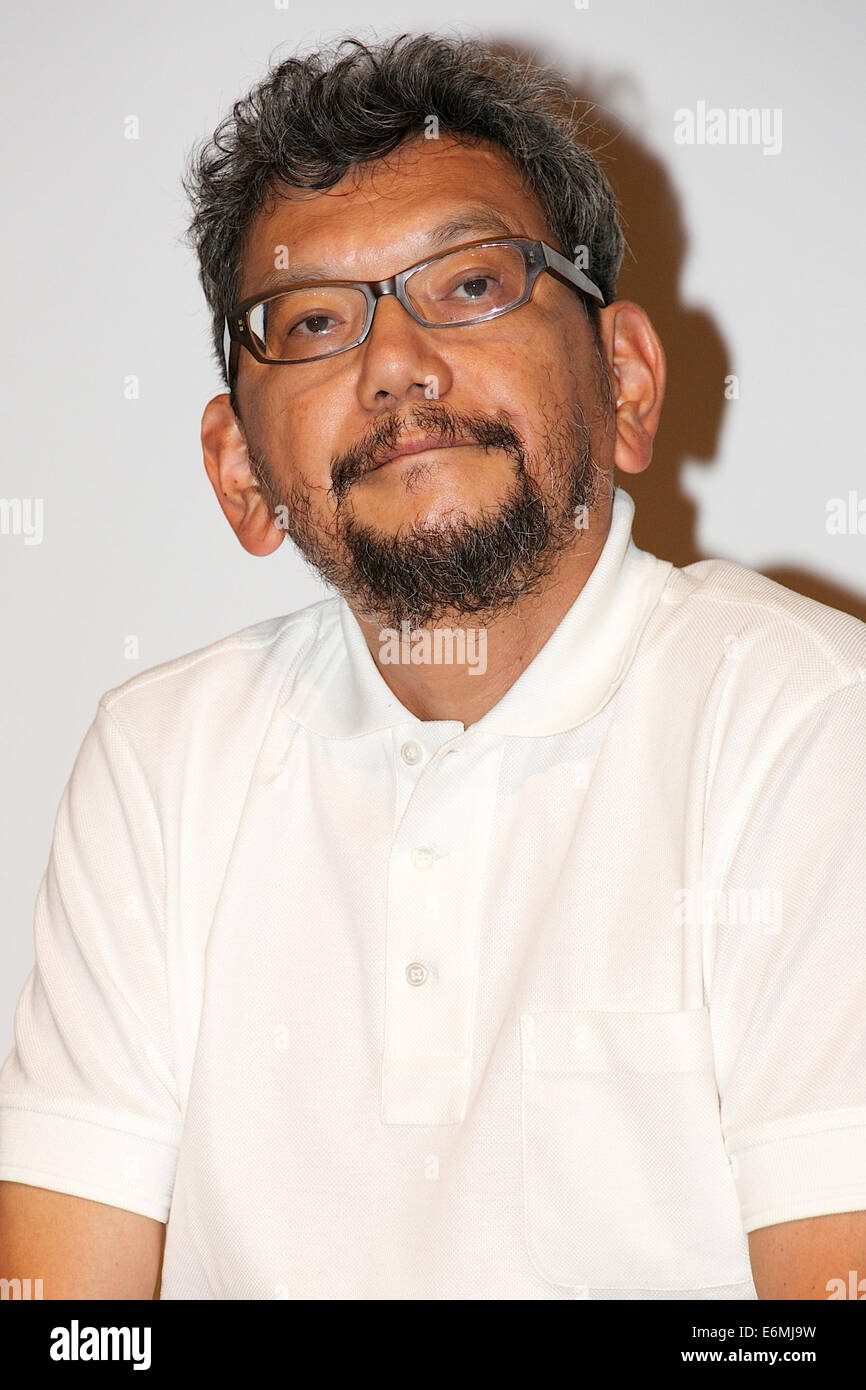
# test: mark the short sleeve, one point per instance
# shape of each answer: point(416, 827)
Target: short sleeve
point(788, 992)
point(88, 1100)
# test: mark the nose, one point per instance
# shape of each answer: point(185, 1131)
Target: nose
point(400, 359)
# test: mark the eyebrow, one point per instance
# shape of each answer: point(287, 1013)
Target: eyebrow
point(476, 218)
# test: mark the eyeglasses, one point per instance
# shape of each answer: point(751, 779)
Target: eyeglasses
point(470, 284)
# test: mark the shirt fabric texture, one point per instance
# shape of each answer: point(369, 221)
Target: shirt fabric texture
point(561, 1005)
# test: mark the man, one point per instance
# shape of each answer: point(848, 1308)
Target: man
point(486, 930)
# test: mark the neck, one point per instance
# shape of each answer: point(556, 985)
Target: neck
point(462, 676)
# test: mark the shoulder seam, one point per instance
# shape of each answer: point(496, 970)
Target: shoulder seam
point(852, 673)
point(181, 664)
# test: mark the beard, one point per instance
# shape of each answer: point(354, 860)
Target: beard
point(477, 566)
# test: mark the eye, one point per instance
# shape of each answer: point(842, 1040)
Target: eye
point(477, 287)
point(312, 325)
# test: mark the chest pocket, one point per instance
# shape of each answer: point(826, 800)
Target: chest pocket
point(626, 1182)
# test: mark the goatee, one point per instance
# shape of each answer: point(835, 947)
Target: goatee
point(465, 566)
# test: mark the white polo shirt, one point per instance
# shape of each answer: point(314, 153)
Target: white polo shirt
point(561, 1005)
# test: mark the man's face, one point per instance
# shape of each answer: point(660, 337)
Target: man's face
point(453, 531)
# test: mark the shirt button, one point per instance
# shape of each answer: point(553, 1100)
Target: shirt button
point(422, 858)
point(411, 752)
point(416, 973)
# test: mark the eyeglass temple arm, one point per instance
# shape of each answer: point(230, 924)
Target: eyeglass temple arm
point(568, 271)
point(231, 352)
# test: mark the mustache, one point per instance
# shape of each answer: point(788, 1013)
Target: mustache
point(446, 426)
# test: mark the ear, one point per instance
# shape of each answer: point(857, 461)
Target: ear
point(634, 351)
point(227, 465)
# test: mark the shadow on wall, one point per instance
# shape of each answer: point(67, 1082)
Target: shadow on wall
point(698, 359)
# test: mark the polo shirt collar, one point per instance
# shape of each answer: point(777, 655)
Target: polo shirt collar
point(338, 691)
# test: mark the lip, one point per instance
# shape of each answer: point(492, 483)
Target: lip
point(419, 446)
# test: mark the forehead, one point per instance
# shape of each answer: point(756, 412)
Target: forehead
point(385, 215)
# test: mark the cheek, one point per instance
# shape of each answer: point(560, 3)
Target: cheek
point(533, 357)
point(300, 434)
point(528, 377)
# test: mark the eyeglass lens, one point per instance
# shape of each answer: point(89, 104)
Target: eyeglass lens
point(470, 284)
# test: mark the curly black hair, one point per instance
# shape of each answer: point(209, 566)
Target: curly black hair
point(313, 117)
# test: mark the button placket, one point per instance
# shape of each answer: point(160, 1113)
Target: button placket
point(435, 915)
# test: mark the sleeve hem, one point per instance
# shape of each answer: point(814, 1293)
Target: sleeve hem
point(800, 1175)
point(113, 1166)
point(142, 1203)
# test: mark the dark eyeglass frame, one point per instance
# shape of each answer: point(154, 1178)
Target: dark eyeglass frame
point(538, 256)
